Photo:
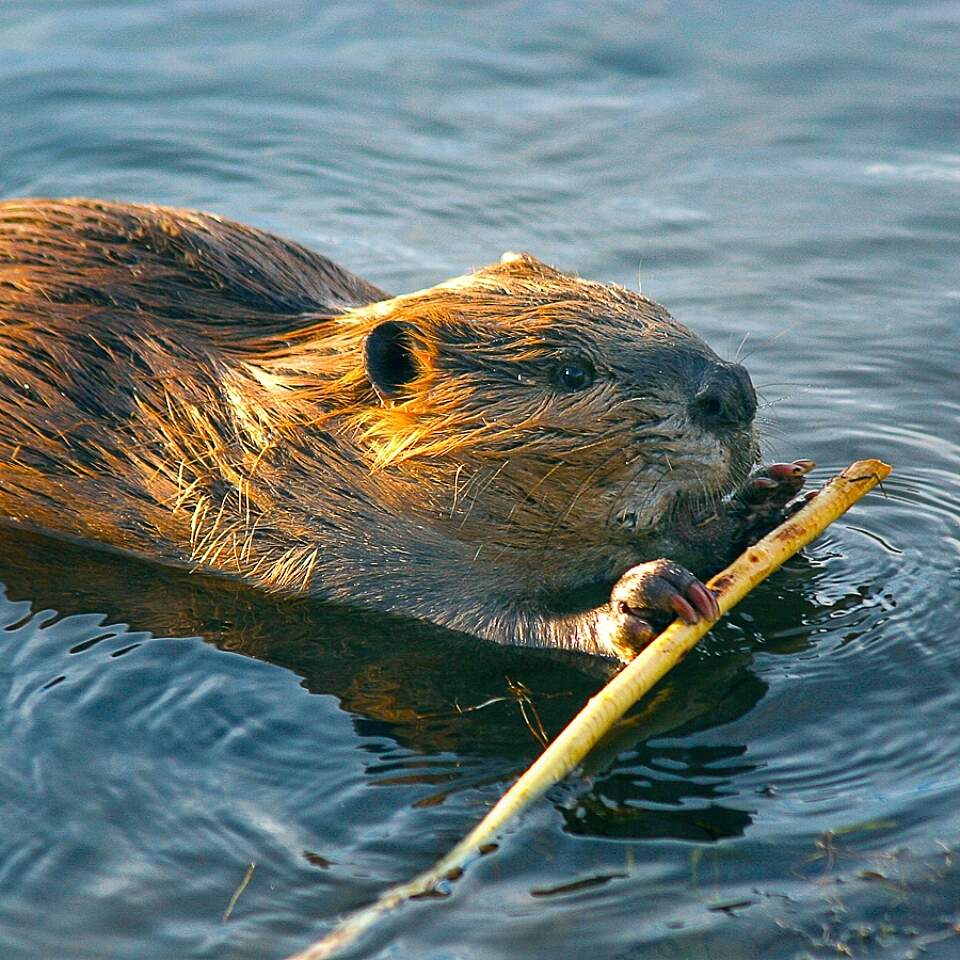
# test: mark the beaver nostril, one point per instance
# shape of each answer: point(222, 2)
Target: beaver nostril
point(726, 398)
point(709, 405)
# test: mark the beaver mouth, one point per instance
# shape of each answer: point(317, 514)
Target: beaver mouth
point(682, 507)
point(680, 497)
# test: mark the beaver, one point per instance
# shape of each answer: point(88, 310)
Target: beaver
point(517, 453)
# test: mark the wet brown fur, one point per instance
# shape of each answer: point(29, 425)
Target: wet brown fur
point(185, 388)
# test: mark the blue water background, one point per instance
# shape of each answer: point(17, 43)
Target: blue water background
point(786, 178)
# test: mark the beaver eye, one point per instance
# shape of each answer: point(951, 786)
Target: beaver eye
point(574, 374)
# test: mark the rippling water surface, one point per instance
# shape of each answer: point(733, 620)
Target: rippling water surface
point(786, 178)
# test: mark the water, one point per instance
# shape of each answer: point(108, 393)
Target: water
point(787, 173)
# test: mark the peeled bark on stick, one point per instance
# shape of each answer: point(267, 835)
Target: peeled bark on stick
point(603, 710)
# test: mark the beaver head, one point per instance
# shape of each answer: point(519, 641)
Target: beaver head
point(528, 412)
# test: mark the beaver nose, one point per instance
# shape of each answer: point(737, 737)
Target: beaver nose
point(726, 398)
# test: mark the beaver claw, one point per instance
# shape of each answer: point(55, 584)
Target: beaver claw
point(656, 592)
point(770, 496)
point(774, 485)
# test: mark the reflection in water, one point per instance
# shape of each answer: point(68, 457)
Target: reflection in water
point(395, 679)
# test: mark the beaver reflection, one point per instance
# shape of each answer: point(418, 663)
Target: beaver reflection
point(395, 679)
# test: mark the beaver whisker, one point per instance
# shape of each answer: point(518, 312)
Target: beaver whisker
point(737, 357)
point(528, 493)
point(642, 407)
point(802, 384)
point(713, 494)
point(772, 338)
point(456, 490)
point(770, 424)
point(481, 489)
point(655, 435)
point(639, 509)
point(573, 501)
point(629, 482)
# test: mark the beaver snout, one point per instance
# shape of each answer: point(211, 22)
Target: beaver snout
point(725, 399)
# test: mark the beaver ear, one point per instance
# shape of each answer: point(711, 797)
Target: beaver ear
point(526, 264)
point(388, 357)
point(509, 256)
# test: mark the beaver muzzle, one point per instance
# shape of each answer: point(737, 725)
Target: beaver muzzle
point(726, 400)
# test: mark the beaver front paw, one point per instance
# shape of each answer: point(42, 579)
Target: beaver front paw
point(770, 496)
point(649, 595)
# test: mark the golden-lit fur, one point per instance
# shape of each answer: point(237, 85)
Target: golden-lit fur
point(185, 388)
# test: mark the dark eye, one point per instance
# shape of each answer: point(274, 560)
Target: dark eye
point(574, 374)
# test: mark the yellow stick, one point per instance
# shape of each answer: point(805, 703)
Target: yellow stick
point(605, 709)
